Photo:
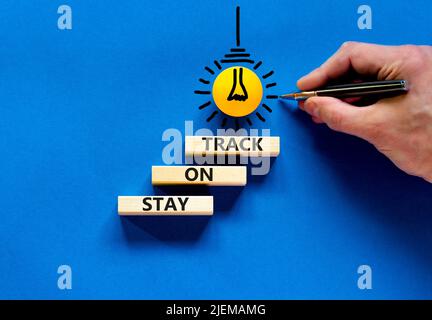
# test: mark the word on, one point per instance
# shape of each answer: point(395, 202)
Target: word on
point(202, 175)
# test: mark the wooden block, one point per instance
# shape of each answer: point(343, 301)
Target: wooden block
point(251, 146)
point(165, 206)
point(200, 175)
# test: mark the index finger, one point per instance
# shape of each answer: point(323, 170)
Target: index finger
point(364, 58)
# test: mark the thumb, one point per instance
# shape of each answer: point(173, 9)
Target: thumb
point(338, 115)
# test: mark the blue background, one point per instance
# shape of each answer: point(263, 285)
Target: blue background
point(82, 113)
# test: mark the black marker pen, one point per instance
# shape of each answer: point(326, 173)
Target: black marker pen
point(353, 90)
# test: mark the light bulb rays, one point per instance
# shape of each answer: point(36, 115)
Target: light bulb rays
point(259, 63)
point(209, 70)
point(224, 121)
point(239, 87)
point(202, 92)
point(204, 105)
point(208, 103)
point(267, 108)
point(214, 113)
point(238, 92)
point(268, 74)
point(217, 64)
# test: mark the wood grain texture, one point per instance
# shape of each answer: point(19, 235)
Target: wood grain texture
point(200, 175)
point(165, 205)
point(249, 146)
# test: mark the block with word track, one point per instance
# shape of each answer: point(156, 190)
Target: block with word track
point(200, 175)
point(165, 205)
point(251, 146)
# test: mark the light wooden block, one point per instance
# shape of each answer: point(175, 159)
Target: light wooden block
point(250, 146)
point(165, 205)
point(200, 175)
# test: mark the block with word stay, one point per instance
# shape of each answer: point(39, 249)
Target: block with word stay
point(250, 146)
point(200, 175)
point(165, 205)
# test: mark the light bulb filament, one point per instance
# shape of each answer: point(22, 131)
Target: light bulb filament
point(238, 91)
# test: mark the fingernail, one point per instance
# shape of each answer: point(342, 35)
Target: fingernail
point(301, 79)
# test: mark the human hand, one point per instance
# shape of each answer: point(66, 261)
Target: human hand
point(399, 127)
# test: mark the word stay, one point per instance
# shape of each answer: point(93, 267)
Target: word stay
point(165, 205)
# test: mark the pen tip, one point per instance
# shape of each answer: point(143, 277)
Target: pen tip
point(290, 96)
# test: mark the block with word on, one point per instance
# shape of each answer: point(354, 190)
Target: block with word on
point(250, 146)
point(200, 175)
point(165, 205)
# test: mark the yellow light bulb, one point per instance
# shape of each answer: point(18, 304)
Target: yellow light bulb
point(237, 91)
